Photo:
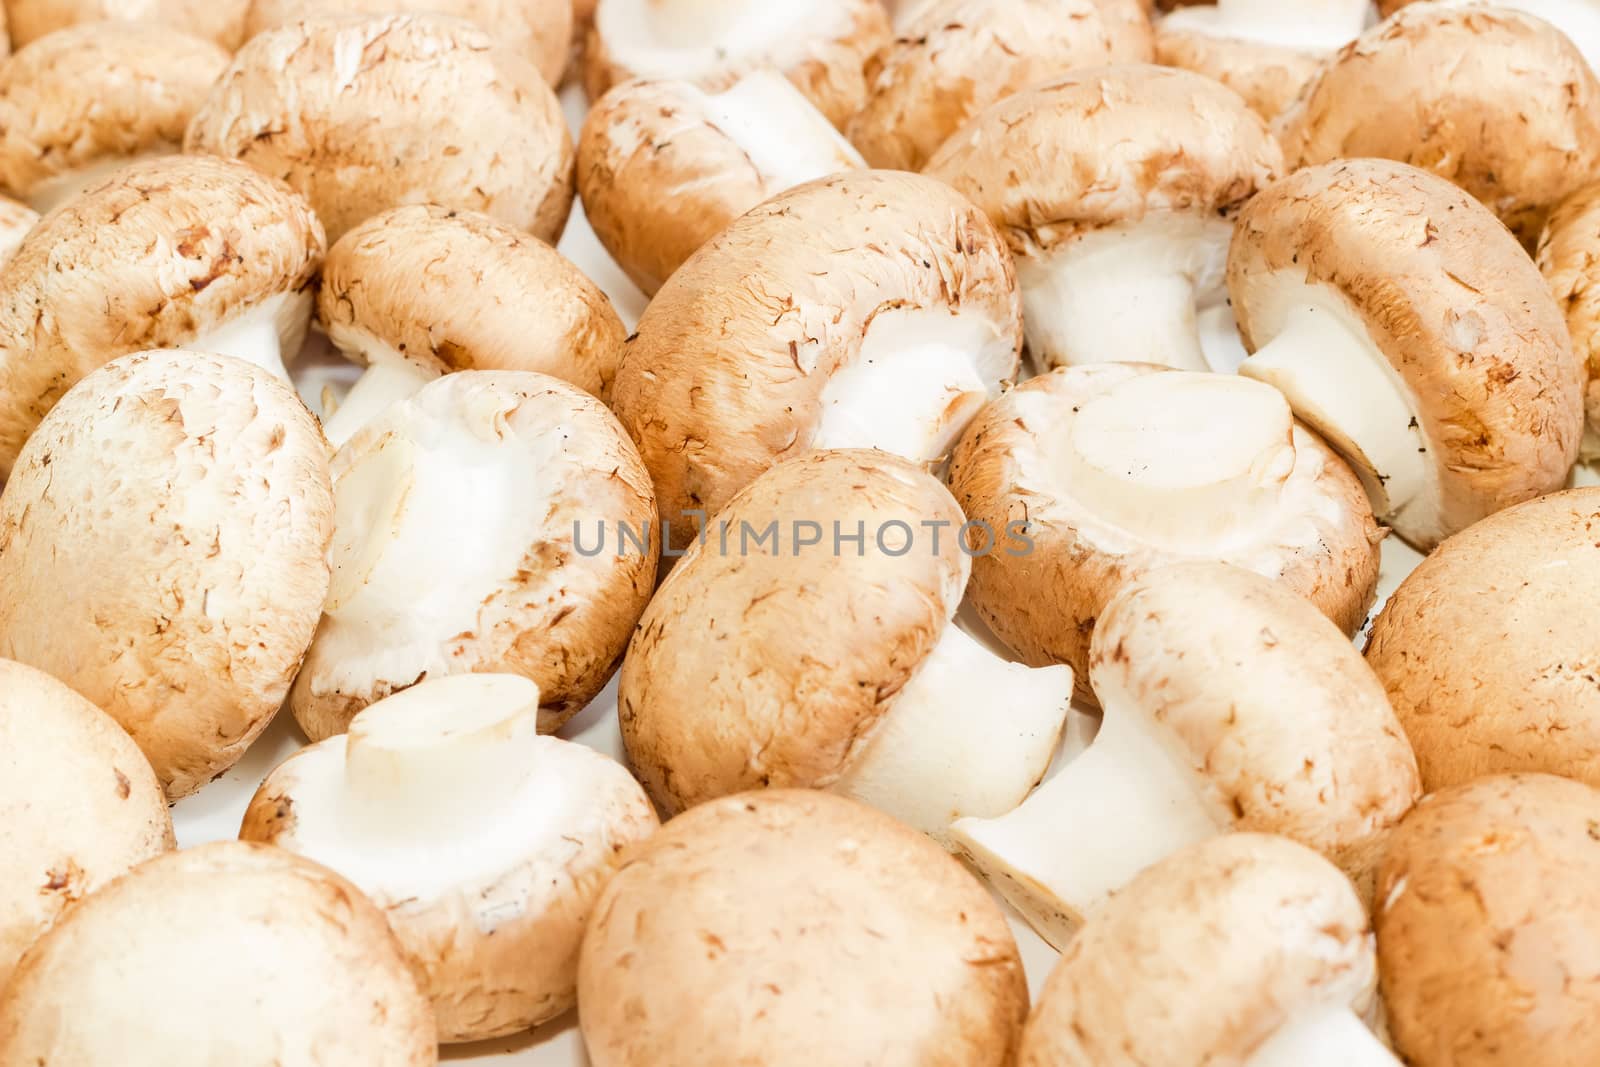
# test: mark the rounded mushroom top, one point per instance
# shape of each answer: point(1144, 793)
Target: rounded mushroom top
point(228, 953)
point(836, 934)
point(456, 290)
point(155, 256)
point(780, 711)
point(1497, 101)
point(1202, 957)
point(1472, 340)
point(1109, 146)
point(1569, 258)
point(362, 114)
point(1488, 903)
point(79, 804)
point(540, 29)
point(219, 21)
point(954, 58)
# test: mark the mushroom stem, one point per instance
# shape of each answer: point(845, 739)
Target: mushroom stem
point(384, 382)
point(1124, 804)
point(784, 136)
point(1332, 1038)
point(1342, 386)
point(690, 23)
point(1319, 24)
point(252, 337)
point(970, 735)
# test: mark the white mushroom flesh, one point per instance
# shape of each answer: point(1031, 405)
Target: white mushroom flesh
point(256, 336)
point(52, 192)
point(785, 137)
point(689, 38)
point(1312, 25)
point(1331, 1038)
point(388, 379)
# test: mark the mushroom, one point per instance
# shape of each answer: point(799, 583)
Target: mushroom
point(1098, 474)
point(1569, 257)
point(951, 59)
point(821, 45)
point(867, 310)
point(485, 844)
point(1116, 190)
point(540, 29)
point(1578, 19)
point(364, 114)
point(1486, 924)
point(219, 21)
point(77, 104)
point(1485, 649)
point(181, 251)
point(16, 220)
point(495, 521)
point(421, 290)
point(664, 166)
point(1246, 949)
point(226, 953)
point(1499, 102)
point(79, 805)
point(831, 933)
point(808, 641)
point(1408, 327)
point(161, 549)
point(1230, 703)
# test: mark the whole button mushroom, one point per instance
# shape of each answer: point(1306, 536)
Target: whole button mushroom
point(889, 702)
point(1479, 650)
point(1569, 257)
point(228, 953)
point(1408, 327)
point(664, 166)
point(361, 114)
point(954, 58)
point(866, 310)
point(1488, 906)
point(422, 290)
point(820, 46)
point(1116, 190)
point(1578, 19)
point(1230, 703)
point(79, 805)
point(485, 844)
point(79, 103)
point(495, 521)
point(219, 21)
point(1247, 950)
point(162, 545)
point(1499, 102)
point(830, 932)
point(182, 251)
point(1115, 470)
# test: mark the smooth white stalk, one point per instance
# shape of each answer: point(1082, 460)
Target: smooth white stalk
point(1332, 1038)
point(383, 383)
point(1312, 25)
point(785, 137)
point(253, 337)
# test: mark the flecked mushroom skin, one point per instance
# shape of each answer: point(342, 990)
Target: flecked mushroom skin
point(954, 58)
point(1569, 257)
point(219, 21)
point(364, 114)
point(79, 805)
point(835, 934)
point(1489, 897)
point(228, 953)
point(1484, 651)
point(1269, 78)
point(1456, 318)
point(161, 254)
point(162, 547)
point(1496, 101)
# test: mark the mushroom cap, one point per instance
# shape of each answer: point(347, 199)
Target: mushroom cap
point(1202, 957)
point(540, 29)
point(725, 375)
point(1219, 656)
point(219, 21)
point(1268, 76)
point(833, 933)
point(226, 953)
point(363, 114)
point(717, 694)
point(162, 546)
point(820, 46)
point(531, 596)
point(661, 170)
point(1494, 100)
point(79, 805)
point(16, 220)
point(97, 92)
point(1485, 651)
point(1474, 338)
point(157, 255)
point(1569, 258)
point(955, 58)
point(1489, 899)
point(1043, 602)
point(456, 290)
point(1108, 146)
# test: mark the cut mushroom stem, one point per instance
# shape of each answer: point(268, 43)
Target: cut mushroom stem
point(1333, 1038)
point(685, 23)
point(782, 133)
point(1318, 25)
point(387, 380)
point(255, 336)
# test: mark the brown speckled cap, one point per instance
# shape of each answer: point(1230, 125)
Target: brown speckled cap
point(219, 21)
point(1569, 257)
point(1268, 76)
